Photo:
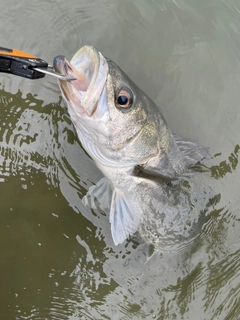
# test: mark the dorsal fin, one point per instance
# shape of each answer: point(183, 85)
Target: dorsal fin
point(170, 164)
point(191, 150)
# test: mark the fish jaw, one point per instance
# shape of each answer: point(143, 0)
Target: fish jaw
point(91, 69)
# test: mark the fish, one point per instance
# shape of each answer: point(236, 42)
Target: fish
point(146, 184)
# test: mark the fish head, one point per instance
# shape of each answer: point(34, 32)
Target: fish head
point(110, 113)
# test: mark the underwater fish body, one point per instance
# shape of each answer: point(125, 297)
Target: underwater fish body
point(145, 166)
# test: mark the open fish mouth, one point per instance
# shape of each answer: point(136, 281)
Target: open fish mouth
point(90, 69)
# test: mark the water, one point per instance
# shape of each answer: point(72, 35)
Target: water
point(57, 256)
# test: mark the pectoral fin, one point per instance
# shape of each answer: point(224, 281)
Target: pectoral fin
point(123, 217)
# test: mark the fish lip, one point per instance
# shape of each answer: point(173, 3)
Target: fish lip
point(85, 67)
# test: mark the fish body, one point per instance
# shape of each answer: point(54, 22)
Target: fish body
point(145, 165)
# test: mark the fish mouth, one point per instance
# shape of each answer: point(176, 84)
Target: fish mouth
point(90, 69)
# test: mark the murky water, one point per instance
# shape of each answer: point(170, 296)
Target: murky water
point(58, 260)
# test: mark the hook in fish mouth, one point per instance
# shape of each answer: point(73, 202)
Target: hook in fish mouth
point(90, 69)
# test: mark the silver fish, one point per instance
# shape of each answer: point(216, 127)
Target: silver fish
point(145, 165)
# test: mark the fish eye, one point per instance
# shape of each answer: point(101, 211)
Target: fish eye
point(124, 99)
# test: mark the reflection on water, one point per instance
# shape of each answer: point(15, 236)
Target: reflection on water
point(57, 256)
point(227, 166)
point(60, 265)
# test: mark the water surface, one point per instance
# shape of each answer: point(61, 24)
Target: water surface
point(58, 260)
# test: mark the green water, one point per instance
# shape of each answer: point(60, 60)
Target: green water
point(58, 260)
